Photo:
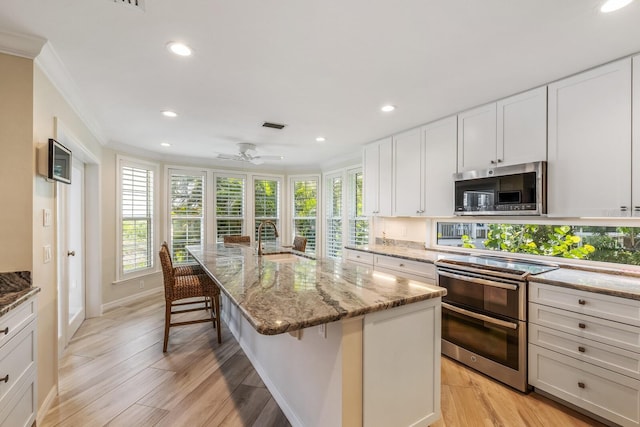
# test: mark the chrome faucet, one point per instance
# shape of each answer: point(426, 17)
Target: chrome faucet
point(260, 234)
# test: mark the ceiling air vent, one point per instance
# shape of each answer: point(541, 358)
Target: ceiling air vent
point(138, 4)
point(272, 125)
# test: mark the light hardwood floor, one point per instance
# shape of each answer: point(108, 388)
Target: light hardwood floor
point(114, 373)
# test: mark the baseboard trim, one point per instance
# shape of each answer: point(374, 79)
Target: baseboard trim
point(46, 405)
point(131, 298)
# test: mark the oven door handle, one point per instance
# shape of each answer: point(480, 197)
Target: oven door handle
point(480, 316)
point(479, 281)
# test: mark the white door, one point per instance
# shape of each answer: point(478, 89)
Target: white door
point(408, 171)
point(71, 289)
point(440, 165)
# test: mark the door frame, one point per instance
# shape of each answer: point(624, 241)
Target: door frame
point(93, 217)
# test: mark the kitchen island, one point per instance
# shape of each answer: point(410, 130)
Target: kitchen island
point(335, 343)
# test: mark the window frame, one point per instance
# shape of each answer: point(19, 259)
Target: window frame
point(244, 217)
point(329, 215)
point(176, 170)
point(279, 204)
point(318, 217)
point(121, 162)
point(351, 208)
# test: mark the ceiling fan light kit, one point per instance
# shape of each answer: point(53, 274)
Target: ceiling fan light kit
point(244, 155)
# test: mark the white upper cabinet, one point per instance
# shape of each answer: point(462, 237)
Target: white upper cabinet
point(508, 132)
point(377, 178)
point(477, 138)
point(635, 147)
point(408, 166)
point(440, 164)
point(522, 128)
point(589, 169)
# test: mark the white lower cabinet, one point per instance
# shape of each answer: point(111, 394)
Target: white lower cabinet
point(18, 366)
point(417, 270)
point(359, 257)
point(583, 359)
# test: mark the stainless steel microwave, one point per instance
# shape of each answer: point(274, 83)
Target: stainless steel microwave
point(504, 190)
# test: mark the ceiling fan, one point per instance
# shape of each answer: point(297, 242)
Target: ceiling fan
point(245, 155)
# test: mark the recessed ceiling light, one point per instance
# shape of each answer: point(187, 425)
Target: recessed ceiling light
point(169, 113)
point(179, 49)
point(320, 139)
point(388, 108)
point(613, 5)
point(165, 144)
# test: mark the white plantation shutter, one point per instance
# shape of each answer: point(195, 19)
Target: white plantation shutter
point(136, 185)
point(334, 216)
point(186, 198)
point(229, 206)
point(266, 199)
point(358, 223)
point(305, 203)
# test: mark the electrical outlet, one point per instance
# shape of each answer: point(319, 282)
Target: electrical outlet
point(322, 330)
point(141, 284)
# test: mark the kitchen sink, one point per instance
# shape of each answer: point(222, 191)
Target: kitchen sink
point(282, 257)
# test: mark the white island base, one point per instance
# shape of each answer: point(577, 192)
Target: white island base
point(380, 369)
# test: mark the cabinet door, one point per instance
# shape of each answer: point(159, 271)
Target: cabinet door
point(477, 138)
point(371, 163)
point(385, 176)
point(522, 128)
point(377, 178)
point(408, 156)
point(635, 151)
point(439, 140)
point(589, 170)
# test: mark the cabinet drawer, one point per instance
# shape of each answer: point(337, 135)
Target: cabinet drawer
point(606, 356)
point(359, 257)
point(16, 319)
point(601, 330)
point(423, 269)
point(605, 306)
point(605, 393)
point(17, 359)
point(20, 409)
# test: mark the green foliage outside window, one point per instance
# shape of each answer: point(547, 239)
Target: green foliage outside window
point(606, 244)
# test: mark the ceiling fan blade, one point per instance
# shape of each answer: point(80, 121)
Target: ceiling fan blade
point(228, 157)
point(269, 157)
point(256, 161)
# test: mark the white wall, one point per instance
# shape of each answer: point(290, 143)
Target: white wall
point(47, 104)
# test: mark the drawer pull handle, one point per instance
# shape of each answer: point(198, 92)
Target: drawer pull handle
point(582, 325)
point(581, 349)
point(6, 330)
point(357, 256)
point(581, 302)
point(581, 385)
point(401, 265)
point(5, 379)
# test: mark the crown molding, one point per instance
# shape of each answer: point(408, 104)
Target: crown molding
point(57, 73)
point(21, 45)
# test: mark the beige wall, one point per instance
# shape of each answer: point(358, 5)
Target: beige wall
point(16, 162)
point(47, 104)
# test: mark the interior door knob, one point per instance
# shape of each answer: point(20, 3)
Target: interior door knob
point(71, 253)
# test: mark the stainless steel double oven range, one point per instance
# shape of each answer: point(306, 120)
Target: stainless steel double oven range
point(484, 314)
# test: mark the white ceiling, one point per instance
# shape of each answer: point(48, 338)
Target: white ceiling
point(320, 67)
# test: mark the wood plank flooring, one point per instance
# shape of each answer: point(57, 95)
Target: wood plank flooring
point(114, 374)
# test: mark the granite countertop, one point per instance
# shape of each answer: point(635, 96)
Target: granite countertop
point(614, 283)
point(277, 297)
point(15, 288)
point(413, 254)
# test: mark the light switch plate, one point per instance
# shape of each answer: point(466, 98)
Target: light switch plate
point(46, 217)
point(46, 253)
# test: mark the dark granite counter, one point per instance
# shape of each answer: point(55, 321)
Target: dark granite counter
point(287, 295)
point(414, 254)
point(15, 288)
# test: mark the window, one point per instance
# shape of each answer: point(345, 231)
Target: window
point(305, 204)
point(266, 199)
point(186, 204)
point(358, 223)
point(614, 244)
point(136, 213)
point(334, 216)
point(229, 206)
